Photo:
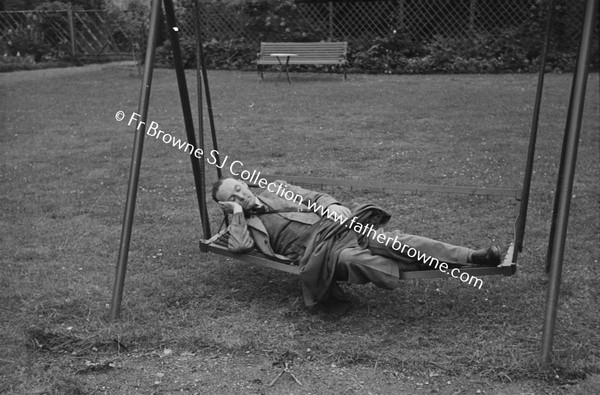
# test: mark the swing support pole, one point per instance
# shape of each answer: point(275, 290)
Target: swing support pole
point(564, 188)
point(136, 160)
point(202, 78)
point(198, 172)
point(522, 218)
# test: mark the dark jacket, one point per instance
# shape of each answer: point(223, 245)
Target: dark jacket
point(322, 252)
point(320, 258)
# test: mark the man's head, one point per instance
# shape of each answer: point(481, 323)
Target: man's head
point(232, 190)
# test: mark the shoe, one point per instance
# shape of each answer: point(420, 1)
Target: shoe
point(486, 256)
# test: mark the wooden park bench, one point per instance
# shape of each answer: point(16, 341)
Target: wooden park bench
point(287, 53)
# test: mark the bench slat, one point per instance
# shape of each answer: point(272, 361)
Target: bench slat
point(307, 48)
point(301, 61)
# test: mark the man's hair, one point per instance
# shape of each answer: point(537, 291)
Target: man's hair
point(215, 188)
point(216, 185)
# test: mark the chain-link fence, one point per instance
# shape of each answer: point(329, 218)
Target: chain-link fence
point(368, 20)
point(63, 33)
point(419, 21)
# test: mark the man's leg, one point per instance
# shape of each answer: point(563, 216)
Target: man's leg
point(400, 246)
point(360, 266)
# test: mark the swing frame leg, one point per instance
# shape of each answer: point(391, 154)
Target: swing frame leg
point(198, 171)
point(136, 160)
point(564, 187)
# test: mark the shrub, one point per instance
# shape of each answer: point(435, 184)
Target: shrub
point(47, 25)
point(230, 54)
point(12, 63)
point(23, 42)
point(277, 20)
point(515, 49)
point(38, 38)
point(15, 63)
point(164, 53)
point(129, 27)
point(226, 55)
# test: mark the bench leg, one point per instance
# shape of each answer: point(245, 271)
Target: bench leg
point(259, 70)
point(287, 62)
point(284, 67)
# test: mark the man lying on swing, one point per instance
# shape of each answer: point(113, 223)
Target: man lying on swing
point(331, 242)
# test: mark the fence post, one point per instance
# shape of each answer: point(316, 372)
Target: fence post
point(330, 21)
point(71, 30)
point(472, 11)
point(400, 16)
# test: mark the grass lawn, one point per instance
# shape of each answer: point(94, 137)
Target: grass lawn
point(201, 323)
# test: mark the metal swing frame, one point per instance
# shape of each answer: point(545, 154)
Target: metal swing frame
point(508, 267)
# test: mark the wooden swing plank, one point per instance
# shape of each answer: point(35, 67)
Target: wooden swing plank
point(218, 243)
point(252, 257)
point(507, 268)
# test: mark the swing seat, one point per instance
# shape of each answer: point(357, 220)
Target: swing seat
point(218, 245)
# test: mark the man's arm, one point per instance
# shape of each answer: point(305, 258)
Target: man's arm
point(240, 240)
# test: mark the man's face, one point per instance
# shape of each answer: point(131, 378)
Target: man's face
point(232, 190)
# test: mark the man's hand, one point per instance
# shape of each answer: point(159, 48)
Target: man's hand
point(340, 210)
point(231, 207)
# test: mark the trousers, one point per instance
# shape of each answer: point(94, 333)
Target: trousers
point(380, 263)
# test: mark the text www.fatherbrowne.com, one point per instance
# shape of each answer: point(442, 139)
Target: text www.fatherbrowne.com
point(370, 231)
point(254, 177)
